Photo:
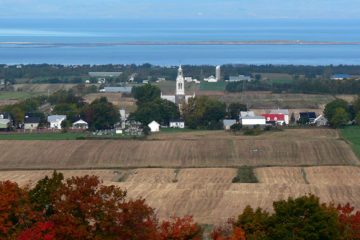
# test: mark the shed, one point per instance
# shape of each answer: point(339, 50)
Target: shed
point(4, 123)
point(282, 111)
point(227, 123)
point(154, 126)
point(253, 121)
point(80, 124)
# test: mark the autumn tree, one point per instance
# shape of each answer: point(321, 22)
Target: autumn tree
point(180, 229)
point(85, 209)
point(15, 210)
point(349, 222)
point(228, 232)
point(41, 195)
point(39, 231)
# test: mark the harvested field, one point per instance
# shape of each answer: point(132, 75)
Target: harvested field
point(209, 195)
point(333, 175)
point(298, 147)
point(42, 88)
point(127, 103)
point(267, 100)
point(280, 175)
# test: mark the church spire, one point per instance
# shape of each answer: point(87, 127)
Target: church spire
point(180, 82)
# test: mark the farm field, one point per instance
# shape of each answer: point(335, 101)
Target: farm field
point(15, 95)
point(296, 147)
point(41, 136)
point(352, 134)
point(127, 103)
point(209, 194)
point(42, 88)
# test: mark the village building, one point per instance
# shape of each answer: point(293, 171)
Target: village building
point(154, 126)
point(5, 121)
point(285, 112)
point(274, 119)
point(55, 121)
point(252, 121)
point(80, 124)
point(227, 123)
point(307, 117)
point(31, 123)
point(180, 97)
point(177, 123)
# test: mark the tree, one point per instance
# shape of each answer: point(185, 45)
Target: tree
point(101, 114)
point(41, 195)
point(303, 218)
point(15, 210)
point(71, 111)
point(349, 222)
point(340, 118)
point(39, 231)
point(356, 104)
point(331, 107)
point(159, 110)
point(357, 118)
point(146, 93)
point(204, 112)
point(228, 232)
point(234, 109)
point(254, 223)
point(85, 209)
point(180, 229)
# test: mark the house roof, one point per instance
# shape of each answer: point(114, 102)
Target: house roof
point(56, 118)
point(307, 115)
point(32, 120)
point(80, 122)
point(229, 122)
point(4, 121)
point(247, 114)
point(118, 89)
point(153, 123)
point(341, 75)
point(177, 120)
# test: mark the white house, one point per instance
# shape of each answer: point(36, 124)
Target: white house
point(250, 121)
point(56, 120)
point(210, 79)
point(31, 123)
point(177, 123)
point(282, 111)
point(154, 126)
point(81, 124)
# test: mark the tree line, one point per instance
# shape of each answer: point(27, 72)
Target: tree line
point(84, 208)
point(52, 73)
point(340, 112)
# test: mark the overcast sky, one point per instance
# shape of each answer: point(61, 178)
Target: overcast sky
point(178, 9)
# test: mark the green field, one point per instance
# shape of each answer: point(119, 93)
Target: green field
point(352, 134)
point(218, 86)
point(41, 136)
point(15, 95)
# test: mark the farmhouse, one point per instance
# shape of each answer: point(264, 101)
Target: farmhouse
point(285, 112)
point(227, 123)
point(177, 123)
point(154, 126)
point(251, 121)
point(55, 121)
point(274, 119)
point(5, 121)
point(307, 117)
point(80, 124)
point(340, 76)
point(31, 123)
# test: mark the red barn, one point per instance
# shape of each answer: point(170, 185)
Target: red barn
point(274, 118)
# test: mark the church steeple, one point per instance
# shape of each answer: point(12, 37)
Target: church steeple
point(180, 82)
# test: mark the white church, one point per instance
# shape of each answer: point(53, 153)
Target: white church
point(179, 97)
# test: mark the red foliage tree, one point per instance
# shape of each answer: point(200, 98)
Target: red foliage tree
point(180, 229)
point(15, 210)
point(84, 209)
point(349, 222)
point(40, 231)
point(228, 232)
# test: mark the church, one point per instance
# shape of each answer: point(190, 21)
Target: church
point(179, 98)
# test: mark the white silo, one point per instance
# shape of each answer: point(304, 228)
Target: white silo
point(218, 73)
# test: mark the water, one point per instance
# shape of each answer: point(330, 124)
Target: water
point(74, 33)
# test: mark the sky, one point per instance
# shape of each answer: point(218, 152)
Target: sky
point(181, 9)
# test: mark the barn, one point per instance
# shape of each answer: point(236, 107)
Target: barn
point(274, 119)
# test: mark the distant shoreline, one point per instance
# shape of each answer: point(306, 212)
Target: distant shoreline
point(176, 43)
